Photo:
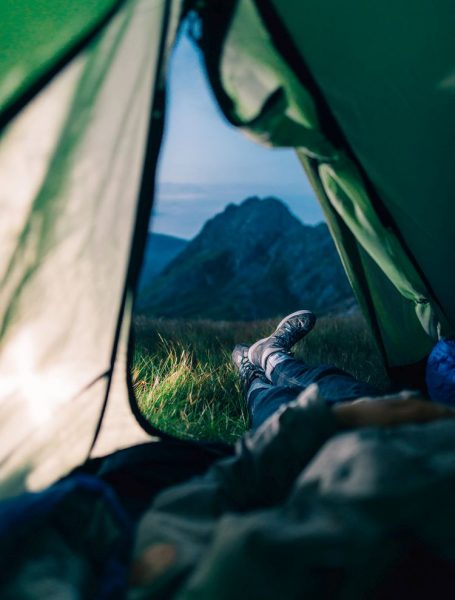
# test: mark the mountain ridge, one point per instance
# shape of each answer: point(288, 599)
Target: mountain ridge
point(160, 250)
point(253, 260)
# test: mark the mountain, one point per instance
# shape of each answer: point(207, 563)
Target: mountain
point(159, 252)
point(254, 260)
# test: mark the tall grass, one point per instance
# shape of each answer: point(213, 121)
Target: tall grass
point(185, 382)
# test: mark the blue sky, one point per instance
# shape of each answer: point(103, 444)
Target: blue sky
point(206, 163)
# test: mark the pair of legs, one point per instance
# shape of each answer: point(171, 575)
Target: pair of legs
point(272, 377)
point(137, 474)
point(289, 377)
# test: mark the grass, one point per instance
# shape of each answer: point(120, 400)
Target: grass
point(186, 385)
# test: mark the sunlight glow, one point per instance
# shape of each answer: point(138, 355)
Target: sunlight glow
point(42, 389)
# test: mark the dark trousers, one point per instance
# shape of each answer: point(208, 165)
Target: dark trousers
point(291, 377)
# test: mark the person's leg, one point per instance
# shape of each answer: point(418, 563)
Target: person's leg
point(290, 377)
point(272, 377)
point(263, 399)
point(335, 385)
point(272, 354)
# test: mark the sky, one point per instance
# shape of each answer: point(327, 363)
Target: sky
point(206, 163)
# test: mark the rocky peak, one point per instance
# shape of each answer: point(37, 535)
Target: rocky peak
point(253, 260)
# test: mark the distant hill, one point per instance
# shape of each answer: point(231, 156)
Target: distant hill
point(159, 252)
point(252, 261)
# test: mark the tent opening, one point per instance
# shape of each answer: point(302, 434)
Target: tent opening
point(236, 241)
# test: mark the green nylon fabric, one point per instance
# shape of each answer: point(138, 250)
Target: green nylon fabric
point(36, 33)
point(387, 74)
point(71, 166)
point(275, 107)
point(343, 186)
point(267, 95)
point(392, 317)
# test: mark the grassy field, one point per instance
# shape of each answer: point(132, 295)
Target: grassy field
point(186, 385)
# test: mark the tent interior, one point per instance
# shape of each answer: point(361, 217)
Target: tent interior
point(362, 91)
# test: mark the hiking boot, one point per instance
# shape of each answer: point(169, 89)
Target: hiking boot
point(247, 371)
point(290, 330)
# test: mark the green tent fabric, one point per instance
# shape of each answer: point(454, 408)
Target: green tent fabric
point(38, 38)
point(75, 163)
point(363, 92)
point(278, 76)
point(392, 318)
